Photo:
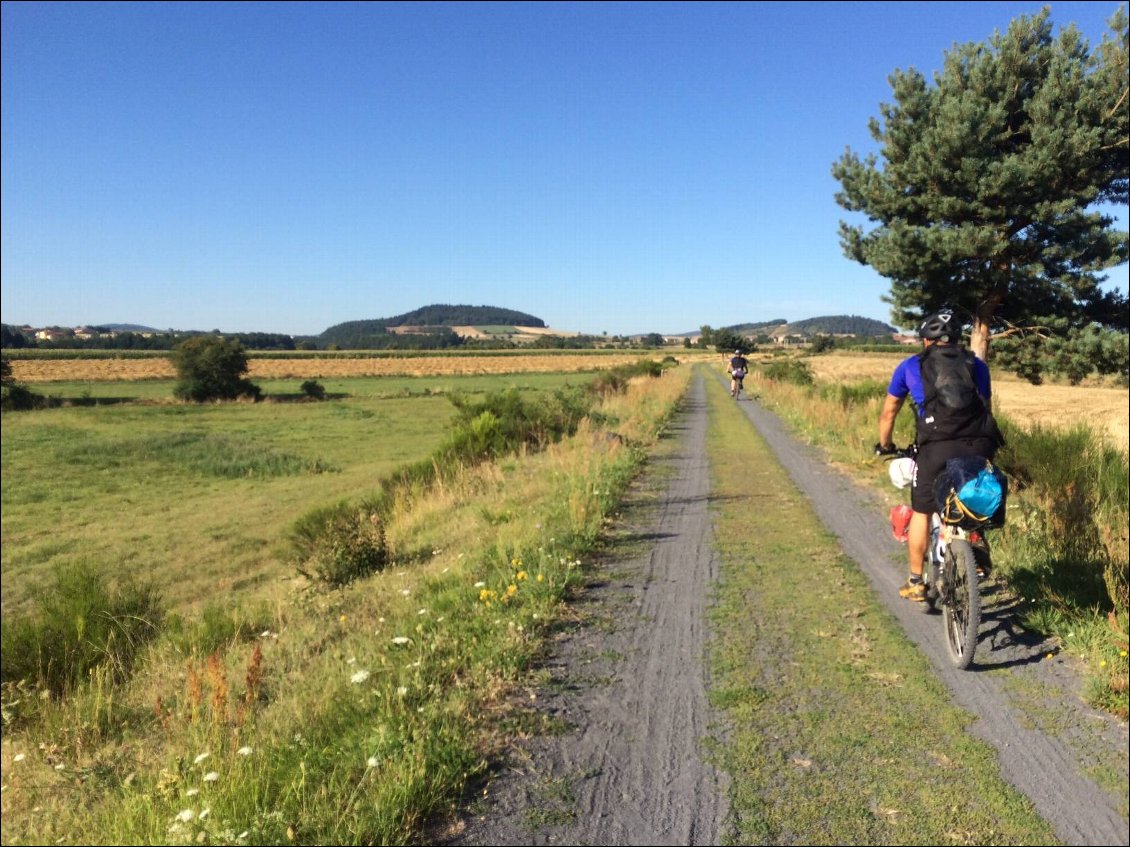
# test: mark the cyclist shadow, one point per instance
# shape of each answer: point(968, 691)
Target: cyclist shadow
point(1003, 643)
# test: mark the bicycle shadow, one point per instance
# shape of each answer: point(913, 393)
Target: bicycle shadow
point(1003, 642)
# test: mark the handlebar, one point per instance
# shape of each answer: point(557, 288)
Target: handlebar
point(910, 451)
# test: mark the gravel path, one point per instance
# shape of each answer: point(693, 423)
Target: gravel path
point(628, 682)
point(629, 688)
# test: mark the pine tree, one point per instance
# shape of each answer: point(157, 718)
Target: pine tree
point(986, 197)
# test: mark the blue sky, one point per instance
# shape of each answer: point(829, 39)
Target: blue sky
point(617, 168)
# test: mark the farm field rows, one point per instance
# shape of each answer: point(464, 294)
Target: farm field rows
point(126, 369)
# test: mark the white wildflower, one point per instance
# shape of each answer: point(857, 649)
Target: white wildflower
point(372, 762)
point(204, 814)
point(422, 612)
point(200, 758)
point(185, 815)
point(480, 585)
point(405, 591)
point(192, 792)
point(244, 751)
point(401, 640)
point(211, 776)
point(402, 691)
point(19, 757)
point(359, 677)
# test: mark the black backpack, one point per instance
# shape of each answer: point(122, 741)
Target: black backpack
point(952, 408)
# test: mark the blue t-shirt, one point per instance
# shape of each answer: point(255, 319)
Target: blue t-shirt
point(907, 379)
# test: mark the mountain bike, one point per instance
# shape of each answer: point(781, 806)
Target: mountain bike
point(957, 557)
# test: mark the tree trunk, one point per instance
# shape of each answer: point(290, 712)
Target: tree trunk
point(979, 338)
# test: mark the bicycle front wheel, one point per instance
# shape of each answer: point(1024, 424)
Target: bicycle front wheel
point(962, 598)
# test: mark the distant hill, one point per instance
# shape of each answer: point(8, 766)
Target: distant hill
point(444, 315)
point(437, 318)
point(128, 328)
point(840, 325)
point(750, 329)
point(825, 325)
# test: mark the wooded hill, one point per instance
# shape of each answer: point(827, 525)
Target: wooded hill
point(825, 325)
point(439, 317)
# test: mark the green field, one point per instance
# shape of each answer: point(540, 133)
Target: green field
point(199, 498)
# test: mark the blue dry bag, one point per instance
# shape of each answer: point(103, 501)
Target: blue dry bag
point(971, 491)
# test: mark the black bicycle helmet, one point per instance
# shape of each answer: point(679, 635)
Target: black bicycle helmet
point(941, 326)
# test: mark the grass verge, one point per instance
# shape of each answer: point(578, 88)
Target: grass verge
point(840, 732)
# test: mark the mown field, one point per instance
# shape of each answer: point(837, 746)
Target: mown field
point(299, 366)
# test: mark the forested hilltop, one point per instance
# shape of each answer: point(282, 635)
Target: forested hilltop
point(825, 325)
point(840, 325)
point(434, 324)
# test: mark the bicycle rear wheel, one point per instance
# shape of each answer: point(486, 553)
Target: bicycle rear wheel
point(962, 598)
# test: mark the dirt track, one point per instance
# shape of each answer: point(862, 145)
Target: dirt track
point(630, 687)
point(629, 693)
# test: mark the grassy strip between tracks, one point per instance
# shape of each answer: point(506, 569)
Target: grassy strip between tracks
point(839, 732)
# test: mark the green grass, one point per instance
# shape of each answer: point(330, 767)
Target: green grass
point(109, 393)
point(840, 732)
point(198, 497)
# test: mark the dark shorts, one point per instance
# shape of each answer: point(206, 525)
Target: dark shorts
point(932, 460)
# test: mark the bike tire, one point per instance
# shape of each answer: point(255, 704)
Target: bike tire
point(962, 598)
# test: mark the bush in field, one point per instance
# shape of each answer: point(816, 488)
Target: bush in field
point(14, 396)
point(211, 367)
point(79, 625)
point(314, 389)
point(339, 544)
point(789, 370)
point(615, 380)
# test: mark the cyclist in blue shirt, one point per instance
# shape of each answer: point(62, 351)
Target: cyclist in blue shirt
point(952, 395)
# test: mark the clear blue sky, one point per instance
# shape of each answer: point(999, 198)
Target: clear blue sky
point(614, 168)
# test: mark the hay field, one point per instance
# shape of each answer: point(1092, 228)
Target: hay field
point(1057, 406)
point(112, 370)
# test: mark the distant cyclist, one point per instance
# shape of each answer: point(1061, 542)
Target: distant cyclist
point(739, 367)
point(952, 394)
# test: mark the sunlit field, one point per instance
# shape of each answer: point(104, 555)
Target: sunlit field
point(198, 497)
point(301, 367)
point(1050, 405)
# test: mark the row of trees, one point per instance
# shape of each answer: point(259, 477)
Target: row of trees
point(14, 338)
point(990, 186)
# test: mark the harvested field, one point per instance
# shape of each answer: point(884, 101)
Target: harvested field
point(1057, 406)
point(99, 370)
